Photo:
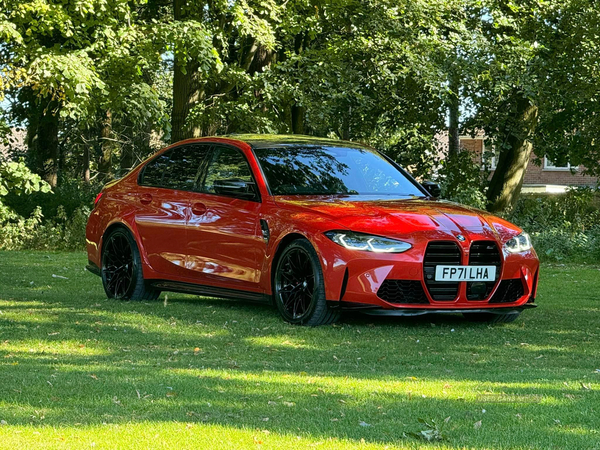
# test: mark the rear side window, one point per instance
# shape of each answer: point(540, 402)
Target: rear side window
point(176, 168)
point(152, 175)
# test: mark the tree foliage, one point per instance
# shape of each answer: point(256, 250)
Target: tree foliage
point(100, 83)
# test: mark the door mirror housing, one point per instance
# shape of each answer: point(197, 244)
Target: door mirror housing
point(433, 188)
point(235, 188)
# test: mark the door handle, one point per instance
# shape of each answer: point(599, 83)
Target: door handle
point(145, 199)
point(198, 208)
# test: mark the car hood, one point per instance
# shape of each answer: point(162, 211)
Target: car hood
point(402, 218)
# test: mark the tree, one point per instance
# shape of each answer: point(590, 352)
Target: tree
point(214, 46)
point(49, 61)
point(72, 65)
point(532, 58)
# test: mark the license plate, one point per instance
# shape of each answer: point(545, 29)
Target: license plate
point(465, 273)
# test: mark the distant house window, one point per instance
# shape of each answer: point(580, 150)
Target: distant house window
point(549, 165)
point(489, 160)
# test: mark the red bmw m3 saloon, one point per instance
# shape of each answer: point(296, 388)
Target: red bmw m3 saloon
point(314, 226)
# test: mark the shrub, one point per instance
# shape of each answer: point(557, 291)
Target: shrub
point(22, 223)
point(18, 180)
point(61, 232)
point(70, 195)
point(562, 227)
point(560, 245)
point(462, 180)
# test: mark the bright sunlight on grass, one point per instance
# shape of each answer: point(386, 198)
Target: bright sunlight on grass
point(80, 371)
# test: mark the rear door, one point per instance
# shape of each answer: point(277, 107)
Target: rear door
point(225, 245)
point(163, 200)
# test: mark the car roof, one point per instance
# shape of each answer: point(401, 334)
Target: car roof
point(290, 140)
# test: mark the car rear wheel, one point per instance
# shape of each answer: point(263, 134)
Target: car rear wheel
point(492, 318)
point(122, 276)
point(298, 286)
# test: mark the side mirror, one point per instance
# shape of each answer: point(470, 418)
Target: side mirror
point(433, 188)
point(235, 187)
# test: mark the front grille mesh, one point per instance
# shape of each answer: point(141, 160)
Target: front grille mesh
point(508, 291)
point(448, 253)
point(402, 291)
point(484, 253)
point(441, 253)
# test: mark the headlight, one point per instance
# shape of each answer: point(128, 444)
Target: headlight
point(520, 243)
point(367, 242)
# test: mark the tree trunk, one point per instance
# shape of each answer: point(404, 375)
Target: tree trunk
point(298, 113)
point(42, 140)
point(107, 146)
point(505, 185)
point(127, 158)
point(86, 163)
point(186, 94)
point(186, 89)
point(454, 112)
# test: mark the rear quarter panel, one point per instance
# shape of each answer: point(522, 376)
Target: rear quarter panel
point(116, 207)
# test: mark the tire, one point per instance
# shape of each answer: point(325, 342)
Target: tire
point(298, 286)
point(121, 270)
point(492, 318)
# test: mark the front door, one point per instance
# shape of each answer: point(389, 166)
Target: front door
point(225, 244)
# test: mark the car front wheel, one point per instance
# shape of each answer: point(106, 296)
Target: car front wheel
point(298, 286)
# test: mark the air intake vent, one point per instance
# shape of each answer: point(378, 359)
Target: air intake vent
point(444, 253)
point(484, 253)
point(508, 291)
point(402, 291)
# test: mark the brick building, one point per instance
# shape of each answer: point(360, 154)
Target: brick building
point(544, 177)
point(13, 143)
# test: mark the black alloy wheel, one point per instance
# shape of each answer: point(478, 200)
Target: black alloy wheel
point(298, 286)
point(122, 276)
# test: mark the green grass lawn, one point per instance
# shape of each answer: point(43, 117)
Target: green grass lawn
point(80, 371)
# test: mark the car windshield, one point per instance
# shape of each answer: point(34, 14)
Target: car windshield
point(332, 171)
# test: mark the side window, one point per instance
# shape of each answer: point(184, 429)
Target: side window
point(183, 167)
point(176, 168)
point(228, 173)
point(153, 172)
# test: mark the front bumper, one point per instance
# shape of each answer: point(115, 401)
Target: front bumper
point(354, 281)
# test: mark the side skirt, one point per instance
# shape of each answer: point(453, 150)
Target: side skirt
point(209, 291)
point(93, 268)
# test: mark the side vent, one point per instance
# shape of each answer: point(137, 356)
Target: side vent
point(344, 284)
point(508, 291)
point(264, 227)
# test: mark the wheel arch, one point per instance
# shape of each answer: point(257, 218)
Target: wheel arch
point(113, 226)
point(125, 226)
point(322, 315)
point(281, 245)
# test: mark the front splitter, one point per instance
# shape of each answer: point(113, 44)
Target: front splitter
point(421, 312)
